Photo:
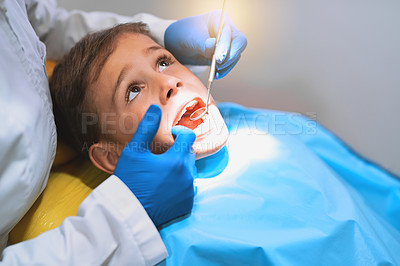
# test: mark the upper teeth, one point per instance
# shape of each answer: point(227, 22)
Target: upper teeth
point(189, 105)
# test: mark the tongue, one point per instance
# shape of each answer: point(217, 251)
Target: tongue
point(186, 122)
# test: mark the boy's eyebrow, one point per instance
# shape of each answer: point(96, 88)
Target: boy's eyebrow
point(154, 48)
point(121, 76)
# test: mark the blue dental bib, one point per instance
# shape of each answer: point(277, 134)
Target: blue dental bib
point(289, 193)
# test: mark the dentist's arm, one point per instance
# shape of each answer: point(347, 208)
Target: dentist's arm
point(60, 29)
point(110, 228)
point(191, 40)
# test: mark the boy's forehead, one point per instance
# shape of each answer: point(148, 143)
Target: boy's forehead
point(127, 43)
point(136, 42)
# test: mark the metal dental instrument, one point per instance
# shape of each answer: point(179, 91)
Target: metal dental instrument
point(199, 113)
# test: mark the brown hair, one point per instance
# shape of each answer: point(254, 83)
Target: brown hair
point(71, 78)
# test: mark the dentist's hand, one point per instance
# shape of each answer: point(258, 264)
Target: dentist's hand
point(163, 183)
point(191, 40)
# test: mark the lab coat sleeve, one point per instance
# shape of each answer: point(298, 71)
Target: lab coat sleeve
point(111, 228)
point(60, 29)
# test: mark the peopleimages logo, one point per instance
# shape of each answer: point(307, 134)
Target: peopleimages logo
point(272, 123)
point(260, 123)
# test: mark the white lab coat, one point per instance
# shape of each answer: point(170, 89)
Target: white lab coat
point(111, 226)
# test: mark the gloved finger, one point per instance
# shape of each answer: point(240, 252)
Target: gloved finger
point(220, 73)
point(147, 129)
point(209, 47)
point(184, 139)
point(192, 164)
point(224, 44)
point(239, 43)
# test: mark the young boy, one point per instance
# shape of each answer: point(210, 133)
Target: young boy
point(102, 88)
point(291, 192)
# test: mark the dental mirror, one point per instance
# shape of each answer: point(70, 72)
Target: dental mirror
point(199, 113)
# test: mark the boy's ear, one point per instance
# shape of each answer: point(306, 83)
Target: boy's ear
point(103, 158)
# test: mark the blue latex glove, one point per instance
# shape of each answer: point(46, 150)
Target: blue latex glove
point(191, 40)
point(163, 183)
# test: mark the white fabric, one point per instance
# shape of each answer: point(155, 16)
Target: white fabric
point(60, 29)
point(111, 226)
point(86, 239)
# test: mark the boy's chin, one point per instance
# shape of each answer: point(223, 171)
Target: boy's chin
point(212, 136)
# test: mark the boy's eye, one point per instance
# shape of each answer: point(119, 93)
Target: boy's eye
point(163, 64)
point(132, 92)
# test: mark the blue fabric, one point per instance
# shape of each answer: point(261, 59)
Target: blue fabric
point(291, 194)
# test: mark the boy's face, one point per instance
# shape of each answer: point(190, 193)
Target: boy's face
point(139, 73)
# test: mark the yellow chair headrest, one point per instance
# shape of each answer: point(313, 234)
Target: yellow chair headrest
point(71, 180)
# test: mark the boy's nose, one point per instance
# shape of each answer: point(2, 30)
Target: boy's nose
point(169, 87)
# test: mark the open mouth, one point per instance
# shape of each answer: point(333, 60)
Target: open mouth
point(183, 117)
point(211, 131)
